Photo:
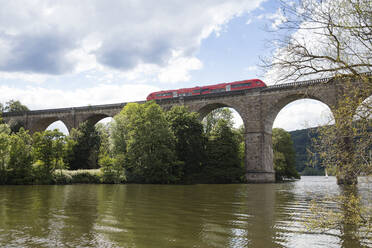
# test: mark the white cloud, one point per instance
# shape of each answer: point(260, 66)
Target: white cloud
point(178, 69)
point(276, 18)
point(49, 37)
point(42, 98)
point(252, 68)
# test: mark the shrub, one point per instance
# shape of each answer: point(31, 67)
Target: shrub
point(77, 176)
point(62, 177)
point(112, 171)
point(85, 176)
point(40, 174)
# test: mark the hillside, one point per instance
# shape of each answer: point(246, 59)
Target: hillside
point(301, 142)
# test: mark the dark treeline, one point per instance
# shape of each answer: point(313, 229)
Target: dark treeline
point(305, 152)
point(144, 144)
point(302, 141)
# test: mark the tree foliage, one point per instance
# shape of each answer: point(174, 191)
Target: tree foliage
point(84, 147)
point(284, 155)
point(20, 158)
point(352, 220)
point(190, 140)
point(13, 106)
point(211, 119)
point(323, 39)
point(112, 169)
point(149, 155)
point(48, 150)
point(344, 147)
point(111, 166)
point(223, 164)
point(4, 152)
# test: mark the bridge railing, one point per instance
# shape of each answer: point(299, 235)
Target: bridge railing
point(66, 110)
point(305, 83)
point(297, 84)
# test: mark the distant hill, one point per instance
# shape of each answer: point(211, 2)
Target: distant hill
point(302, 141)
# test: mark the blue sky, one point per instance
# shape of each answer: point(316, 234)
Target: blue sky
point(69, 53)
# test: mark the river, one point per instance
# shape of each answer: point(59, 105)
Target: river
point(152, 216)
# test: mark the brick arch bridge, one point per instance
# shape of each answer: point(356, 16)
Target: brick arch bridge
point(257, 107)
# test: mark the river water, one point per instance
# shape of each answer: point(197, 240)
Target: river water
point(151, 216)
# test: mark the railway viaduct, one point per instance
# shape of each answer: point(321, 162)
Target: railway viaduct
point(257, 107)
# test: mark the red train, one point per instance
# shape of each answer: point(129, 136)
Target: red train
point(209, 89)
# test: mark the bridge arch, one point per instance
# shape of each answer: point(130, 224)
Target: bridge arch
point(302, 114)
point(281, 103)
point(105, 120)
point(95, 118)
point(42, 124)
point(60, 125)
point(206, 108)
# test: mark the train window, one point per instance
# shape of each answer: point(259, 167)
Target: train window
point(240, 85)
point(258, 82)
point(196, 91)
point(164, 94)
point(204, 90)
point(217, 90)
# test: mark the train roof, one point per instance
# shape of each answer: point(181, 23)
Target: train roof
point(197, 87)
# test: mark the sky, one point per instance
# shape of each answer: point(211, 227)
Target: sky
point(56, 54)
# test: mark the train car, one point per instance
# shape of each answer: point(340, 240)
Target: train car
point(209, 89)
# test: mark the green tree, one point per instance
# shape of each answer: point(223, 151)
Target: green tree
point(149, 154)
point(85, 147)
point(240, 137)
point(119, 133)
point(48, 149)
point(284, 155)
point(210, 120)
point(20, 158)
point(4, 152)
point(112, 169)
point(344, 147)
point(104, 134)
point(111, 166)
point(223, 164)
point(190, 140)
point(14, 106)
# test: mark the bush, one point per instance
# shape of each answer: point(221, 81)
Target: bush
point(62, 177)
point(40, 174)
point(85, 176)
point(112, 171)
point(77, 176)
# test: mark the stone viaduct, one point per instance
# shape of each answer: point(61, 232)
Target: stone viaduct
point(257, 107)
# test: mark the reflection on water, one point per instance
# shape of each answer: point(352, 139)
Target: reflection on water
point(142, 216)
